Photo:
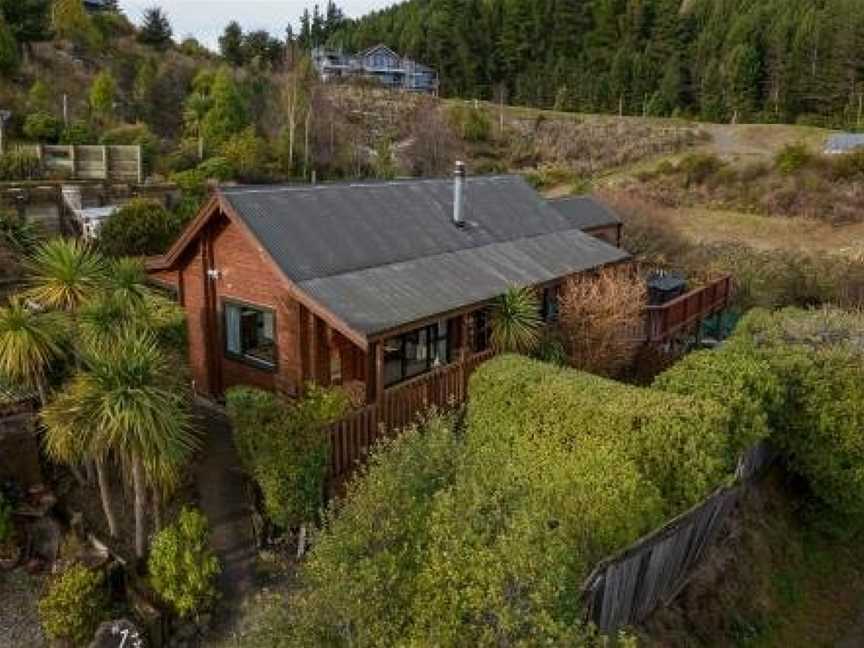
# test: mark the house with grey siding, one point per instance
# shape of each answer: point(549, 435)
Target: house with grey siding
point(378, 63)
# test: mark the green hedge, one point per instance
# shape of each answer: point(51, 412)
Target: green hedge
point(282, 447)
point(449, 542)
point(361, 576)
point(680, 443)
point(740, 380)
point(818, 356)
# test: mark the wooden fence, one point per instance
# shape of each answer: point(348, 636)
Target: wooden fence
point(110, 163)
point(627, 587)
point(353, 436)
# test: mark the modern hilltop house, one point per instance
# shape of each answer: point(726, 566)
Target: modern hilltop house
point(379, 63)
point(368, 285)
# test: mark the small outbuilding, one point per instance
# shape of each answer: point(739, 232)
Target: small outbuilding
point(841, 143)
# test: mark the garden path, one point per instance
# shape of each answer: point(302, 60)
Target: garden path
point(222, 488)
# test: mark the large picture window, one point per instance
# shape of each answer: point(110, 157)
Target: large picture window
point(415, 353)
point(250, 334)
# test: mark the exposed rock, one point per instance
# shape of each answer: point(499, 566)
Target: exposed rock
point(113, 634)
point(45, 537)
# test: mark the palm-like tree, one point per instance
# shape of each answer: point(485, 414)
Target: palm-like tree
point(31, 340)
point(516, 322)
point(16, 234)
point(127, 280)
point(197, 106)
point(127, 401)
point(64, 274)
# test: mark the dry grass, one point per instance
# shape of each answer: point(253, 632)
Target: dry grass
point(594, 312)
point(771, 274)
point(705, 225)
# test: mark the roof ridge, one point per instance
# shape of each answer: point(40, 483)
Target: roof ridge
point(474, 248)
point(362, 184)
point(354, 184)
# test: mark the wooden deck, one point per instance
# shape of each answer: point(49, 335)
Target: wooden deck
point(663, 323)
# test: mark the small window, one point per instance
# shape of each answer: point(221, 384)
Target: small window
point(549, 307)
point(250, 334)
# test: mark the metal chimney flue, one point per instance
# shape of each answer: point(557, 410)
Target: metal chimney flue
point(459, 195)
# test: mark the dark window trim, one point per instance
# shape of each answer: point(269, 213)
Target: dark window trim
point(431, 342)
point(550, 305)
point(261, 365)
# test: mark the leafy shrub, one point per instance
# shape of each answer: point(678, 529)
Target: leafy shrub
point(818, 356)
point(699, 167)
point(472, 123)
point(679, 443)
point(78, 133)
point(551, 349)
point(738, 379)
point(247, 154)
point(192, 182)
point(792, 157)
point(183, 569)
point(141, 227)
point(282, 447)
point(849, 165)
point(74, 605)
point(217, 168)
point(43, 127)
point(134, 135)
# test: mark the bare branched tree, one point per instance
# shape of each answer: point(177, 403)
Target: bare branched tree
point(601, 320)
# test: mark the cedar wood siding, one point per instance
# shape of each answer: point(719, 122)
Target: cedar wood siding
point(247, 276)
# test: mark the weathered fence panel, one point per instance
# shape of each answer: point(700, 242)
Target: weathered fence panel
point(352, 437)
point(627, 587)
point(110, 163)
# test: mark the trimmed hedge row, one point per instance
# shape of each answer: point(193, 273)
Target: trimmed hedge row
point(818, 357)
point(743, 382)
point(483, 536)
point(680, 443)
point(282, 448)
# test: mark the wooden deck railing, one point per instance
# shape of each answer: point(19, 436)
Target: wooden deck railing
point(665, 321)
point(353, 436)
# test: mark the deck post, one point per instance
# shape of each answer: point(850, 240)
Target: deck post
point(379, 373)
point(304, 347)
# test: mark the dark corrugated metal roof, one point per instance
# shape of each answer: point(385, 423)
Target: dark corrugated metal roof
point(585, 212)
point(325, 230)
point(380, 255)
point(376, 300)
